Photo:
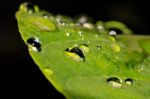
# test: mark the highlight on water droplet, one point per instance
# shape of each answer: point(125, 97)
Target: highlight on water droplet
point(114, 82)
point(34, 44)
point(48, 72)
point(128, 81)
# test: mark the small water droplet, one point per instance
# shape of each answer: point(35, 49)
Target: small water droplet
point(45, 15)
point(98, 47)
point(80, 33)
point(96, 35)
point(128, 81)
point(75, 53)
point(48, 72)
point(68, 34)
point(140, 68)
point(81, 19)
point(34, 44)
point(100, 26)
point(88, 25)
point(114, 82)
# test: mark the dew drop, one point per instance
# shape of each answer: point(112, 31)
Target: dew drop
point(88, 25)
point(98, 47)
point(80, 33)
point(100, 26)
point(75, 53)
point(34, 44)
point(128, 81)
point(114, 31)
point(48, 72)
point(81, 19)
point(45, 15)
point(114, 82)
point(68, 34)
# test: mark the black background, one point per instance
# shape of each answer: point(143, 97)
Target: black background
point(21, 78)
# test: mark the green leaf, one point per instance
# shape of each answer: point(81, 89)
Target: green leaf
point(86, 61)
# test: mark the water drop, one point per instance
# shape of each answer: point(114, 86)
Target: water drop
point(34, 44)
point(114, 82)
point(98, 47)
point(45, 15)
point(81, 19)
point(100, 26)
point(68, 34)
point(80, 33)
point(48, 72)
point(114, 31)
point(128, 81)
point(75, 53)
point(88, 25)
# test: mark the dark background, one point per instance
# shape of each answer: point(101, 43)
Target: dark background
point(21, 78)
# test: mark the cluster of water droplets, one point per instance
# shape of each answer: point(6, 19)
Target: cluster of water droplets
point(116, 82)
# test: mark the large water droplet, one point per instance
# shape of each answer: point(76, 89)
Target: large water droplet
point(128, 81)
point(114, 82)
point(75, 53)
point(34, 44)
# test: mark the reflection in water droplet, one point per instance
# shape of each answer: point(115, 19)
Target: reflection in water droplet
point(128, 81)
point(48, 72)
point(34, 44)
point(114, 82)
point(98, 47)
